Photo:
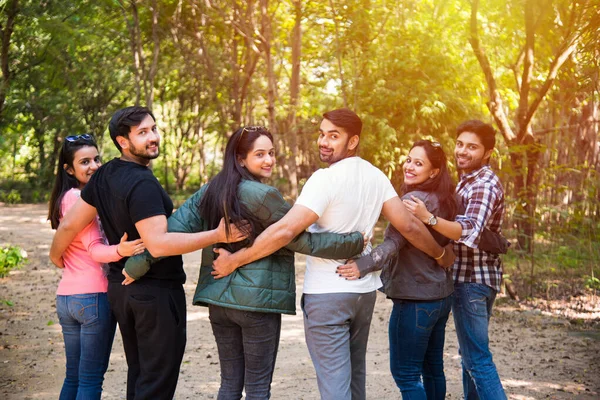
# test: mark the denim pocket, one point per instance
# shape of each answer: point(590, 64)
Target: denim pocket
point(477, 300)
point(83, 307)
point(427, 317)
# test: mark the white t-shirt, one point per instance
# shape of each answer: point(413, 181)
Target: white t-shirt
point(347, 197)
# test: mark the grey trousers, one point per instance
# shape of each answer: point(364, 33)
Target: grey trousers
point(336, 327)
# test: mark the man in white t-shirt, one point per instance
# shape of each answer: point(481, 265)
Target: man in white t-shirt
point(348, 196)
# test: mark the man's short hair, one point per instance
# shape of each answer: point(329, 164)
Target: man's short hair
point(485, 132)
point(121, 122)
point(346, 119)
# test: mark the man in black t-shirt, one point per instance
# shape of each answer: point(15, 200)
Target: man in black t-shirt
point(151, 312)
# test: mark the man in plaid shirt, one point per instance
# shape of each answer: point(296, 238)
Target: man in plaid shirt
point(477, 273)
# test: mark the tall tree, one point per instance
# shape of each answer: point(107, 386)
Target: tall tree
point(523, 144)
point(145, 63)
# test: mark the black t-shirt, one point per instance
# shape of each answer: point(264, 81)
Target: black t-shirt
point(124, 193)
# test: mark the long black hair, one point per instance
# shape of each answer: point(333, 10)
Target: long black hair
point(442, 184)
point(65, 182)
point(220, 199)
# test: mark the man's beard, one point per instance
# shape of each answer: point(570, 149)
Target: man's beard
point(144, 154)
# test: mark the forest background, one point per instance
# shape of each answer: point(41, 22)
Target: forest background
point(409, 68)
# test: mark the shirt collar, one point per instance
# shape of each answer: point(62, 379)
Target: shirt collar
point(345, 161)
point(474, 174)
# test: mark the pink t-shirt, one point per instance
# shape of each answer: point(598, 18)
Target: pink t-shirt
point(84, 257)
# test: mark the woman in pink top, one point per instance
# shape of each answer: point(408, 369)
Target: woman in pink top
point(81, 304)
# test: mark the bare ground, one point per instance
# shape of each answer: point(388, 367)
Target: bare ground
point(539, 356)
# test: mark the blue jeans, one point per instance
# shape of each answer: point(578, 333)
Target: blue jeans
point(247, 342)
point(472, 310)
point(417, 332)
point(88, 328)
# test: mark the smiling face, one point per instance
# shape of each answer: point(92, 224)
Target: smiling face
point(334, 143)
point(86, 162)
point(469, 152)
point(142, 143)
point(260, 160)
point(417, 167)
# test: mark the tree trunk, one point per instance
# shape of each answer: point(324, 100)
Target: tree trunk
point(11, 9)
point(338, 54)
point(151, 76)
point(133, 26)
point(292, 130)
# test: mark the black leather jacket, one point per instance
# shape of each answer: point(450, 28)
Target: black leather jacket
point(407, 272)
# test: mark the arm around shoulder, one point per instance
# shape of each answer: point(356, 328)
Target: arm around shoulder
point(328, 244)
point(270, 240)
point(412, 229)
point(185, 220)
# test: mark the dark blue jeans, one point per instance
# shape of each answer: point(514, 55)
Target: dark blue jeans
point(417, 334)
point(247, 343)
point(472, 310)
point(88, 328)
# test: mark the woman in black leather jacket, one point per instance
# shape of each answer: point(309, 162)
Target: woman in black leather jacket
point(420, 289)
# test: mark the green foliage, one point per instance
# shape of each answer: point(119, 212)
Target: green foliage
point(591, 282)
point(10, 197)
point(406, 67)
point(17, 192)
point(11, 257)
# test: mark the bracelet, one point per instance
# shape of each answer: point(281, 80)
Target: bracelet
point(119, 254)
point(440, 257)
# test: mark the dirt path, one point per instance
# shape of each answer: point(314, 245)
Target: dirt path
point(538, 357)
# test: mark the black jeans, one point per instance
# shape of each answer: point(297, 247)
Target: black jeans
point(152, 322)
point(247, 342)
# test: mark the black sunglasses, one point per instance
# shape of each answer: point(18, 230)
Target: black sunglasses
point(86, 137)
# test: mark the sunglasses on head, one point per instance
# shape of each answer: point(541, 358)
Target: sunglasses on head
point(253, 128)
point(436, 145)
point(86, 137)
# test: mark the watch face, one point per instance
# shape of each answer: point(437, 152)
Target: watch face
point(432, 220)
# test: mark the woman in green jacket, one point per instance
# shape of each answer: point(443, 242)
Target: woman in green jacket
point(245, 307)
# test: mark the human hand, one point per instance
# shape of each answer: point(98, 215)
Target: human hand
point(366, 240)
point(235, 234)
point(417, 208)
point(447, 260)
point(131, 248)
point(223, 265)
point(128, 280)
point(348, 271)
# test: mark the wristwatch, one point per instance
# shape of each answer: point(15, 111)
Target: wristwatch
point(432, 220)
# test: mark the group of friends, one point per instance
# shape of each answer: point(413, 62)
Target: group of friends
point(120, 244)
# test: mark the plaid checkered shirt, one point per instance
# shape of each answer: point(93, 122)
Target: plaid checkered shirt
point(483, 195)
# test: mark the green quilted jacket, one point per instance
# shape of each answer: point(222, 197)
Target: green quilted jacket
point(268, 284)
